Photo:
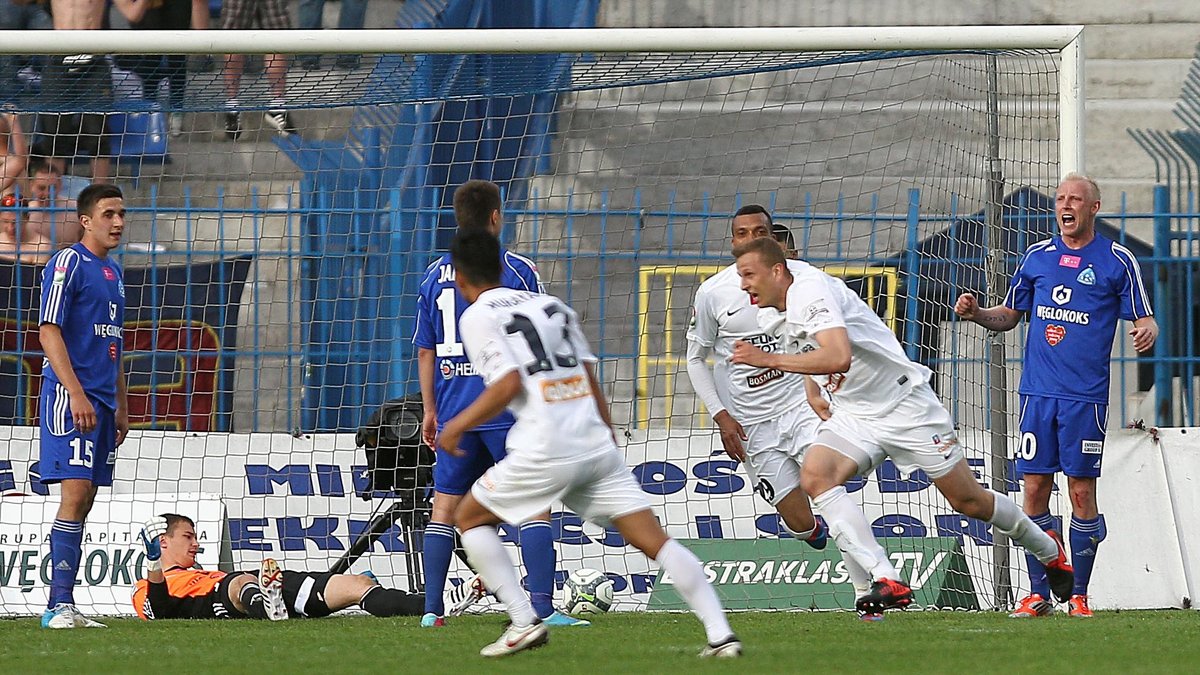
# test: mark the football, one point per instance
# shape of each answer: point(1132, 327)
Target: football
point(586, 591)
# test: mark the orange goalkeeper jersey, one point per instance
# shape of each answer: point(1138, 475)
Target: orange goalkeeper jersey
point(181, 583)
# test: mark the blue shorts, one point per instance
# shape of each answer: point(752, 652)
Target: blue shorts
point(1061, 435)
point(67, 453)
point(455, 475)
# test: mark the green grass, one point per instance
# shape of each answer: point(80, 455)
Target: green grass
point(931, 642)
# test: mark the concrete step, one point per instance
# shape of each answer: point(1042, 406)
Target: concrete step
point(696, 13)
point(1135, 78)
point(1142, 40)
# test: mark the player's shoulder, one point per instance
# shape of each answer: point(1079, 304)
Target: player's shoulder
point(727, 276)
point(1045, 246)
point(67, 258)
point(517, 261)
point(1123, 254)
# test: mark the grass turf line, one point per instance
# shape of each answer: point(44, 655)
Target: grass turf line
point(929, 642)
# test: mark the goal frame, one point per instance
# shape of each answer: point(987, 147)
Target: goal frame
point(1067, 40)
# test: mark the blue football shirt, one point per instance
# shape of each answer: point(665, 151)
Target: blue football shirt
point(439, 307)
point(84, 296)
point(1073, 299)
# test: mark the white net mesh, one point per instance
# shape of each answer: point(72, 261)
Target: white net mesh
point(271, 281)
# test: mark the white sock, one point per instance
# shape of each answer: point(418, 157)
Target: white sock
point(688, 577)
point(849, 528)
point(800, 536)
point(1012, 521)
point(859, 577)
point(488, 557)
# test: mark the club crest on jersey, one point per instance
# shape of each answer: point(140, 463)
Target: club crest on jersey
point(109, 274)
point(1061, 295)
point(112, 351)
point(1055, 334)
point(60, 275)
point(1087, 276)
point(1067, 260)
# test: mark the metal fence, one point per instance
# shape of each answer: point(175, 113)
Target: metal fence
point(322, 330)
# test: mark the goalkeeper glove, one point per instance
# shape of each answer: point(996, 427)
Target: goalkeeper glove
point(150, 535)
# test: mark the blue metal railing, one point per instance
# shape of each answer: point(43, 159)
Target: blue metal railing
point(372, 270)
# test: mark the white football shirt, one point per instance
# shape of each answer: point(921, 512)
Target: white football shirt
point(880, 374)
point(537, 335)
point(722, 315)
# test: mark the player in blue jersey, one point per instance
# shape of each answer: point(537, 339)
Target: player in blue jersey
point(83, 411)
point(1074, 288)
point(448, 386)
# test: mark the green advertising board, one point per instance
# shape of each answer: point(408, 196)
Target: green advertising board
point(788, 574)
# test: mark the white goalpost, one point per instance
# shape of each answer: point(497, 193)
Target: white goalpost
point(271, 277)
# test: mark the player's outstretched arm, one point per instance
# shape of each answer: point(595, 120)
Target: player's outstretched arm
point(998, 318)
point(1144, 333)
point(82, 412)
point(490, 403)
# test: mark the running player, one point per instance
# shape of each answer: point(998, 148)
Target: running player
point(448, 385)
point(533, 357)
point(882, 406)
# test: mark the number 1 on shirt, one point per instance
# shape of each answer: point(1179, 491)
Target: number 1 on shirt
point(449, 346)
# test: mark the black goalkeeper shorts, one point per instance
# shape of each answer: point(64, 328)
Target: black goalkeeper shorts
point(304, 594)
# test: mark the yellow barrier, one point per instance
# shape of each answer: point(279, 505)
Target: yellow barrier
point(881, 286)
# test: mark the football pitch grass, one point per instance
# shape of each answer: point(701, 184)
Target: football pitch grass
point(777, 642)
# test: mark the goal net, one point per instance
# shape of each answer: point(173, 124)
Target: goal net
point(270, 276)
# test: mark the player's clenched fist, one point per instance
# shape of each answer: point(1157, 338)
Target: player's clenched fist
point(966, 306)
point(744, 352)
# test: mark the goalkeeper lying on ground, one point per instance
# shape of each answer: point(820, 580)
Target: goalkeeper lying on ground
point(172, 589)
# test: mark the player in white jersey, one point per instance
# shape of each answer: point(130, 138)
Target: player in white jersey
point(763, 414)
point(534, 360)
point(882, 406)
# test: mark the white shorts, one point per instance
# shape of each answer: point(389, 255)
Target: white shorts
point(917, 434)
point(775, 452)
point(598, 488)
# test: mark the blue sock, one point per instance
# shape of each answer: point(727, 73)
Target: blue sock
point(1086, 536)
point(66, 550)
point(438, 547)
point(1037, 571)
point(537, 552)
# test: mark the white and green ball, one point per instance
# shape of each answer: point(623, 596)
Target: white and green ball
point(586, 591)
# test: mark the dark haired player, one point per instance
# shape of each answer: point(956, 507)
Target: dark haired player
point(83, 414)
point(448, 385)
point(174, 589)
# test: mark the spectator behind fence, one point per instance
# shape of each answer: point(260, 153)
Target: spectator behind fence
point(20, 243)
point(153, 68)
point(77, 82)
point(351, 16)
point(51, 209)
point(19, 15)
point(14, 151)
point(267, 15)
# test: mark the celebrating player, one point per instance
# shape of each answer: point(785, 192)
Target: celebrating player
point(763, 415)
point(173, 589)
point(532, 355)
point(882, 406)
point(83, 410)
point(448, 385)
point(1074, 287)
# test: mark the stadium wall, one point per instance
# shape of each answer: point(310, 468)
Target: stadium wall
point(297, 499)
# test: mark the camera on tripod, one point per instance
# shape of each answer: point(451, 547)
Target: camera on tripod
point(399, 464)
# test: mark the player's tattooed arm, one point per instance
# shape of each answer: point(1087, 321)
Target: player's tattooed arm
point(998, 318)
